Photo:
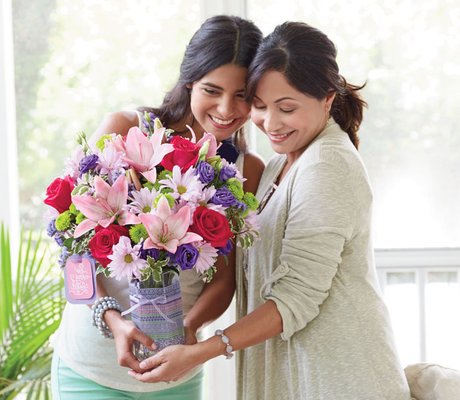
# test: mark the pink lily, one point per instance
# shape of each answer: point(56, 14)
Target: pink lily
point(211, 151)
point(106, 205)
point(167, 230)
point(143, 153)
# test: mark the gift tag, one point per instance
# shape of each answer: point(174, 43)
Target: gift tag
point(80, 280)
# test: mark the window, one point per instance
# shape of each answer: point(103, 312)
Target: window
point(408, 55)
point(75, 62)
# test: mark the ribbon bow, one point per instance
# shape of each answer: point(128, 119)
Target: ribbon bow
point(153, 302)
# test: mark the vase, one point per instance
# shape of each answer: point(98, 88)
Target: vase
point(157, 312)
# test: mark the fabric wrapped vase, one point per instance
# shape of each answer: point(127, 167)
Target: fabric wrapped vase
point(156, 310)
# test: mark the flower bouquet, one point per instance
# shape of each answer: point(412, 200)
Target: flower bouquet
point(144, 207)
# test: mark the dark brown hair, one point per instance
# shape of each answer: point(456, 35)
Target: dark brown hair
point(307, 58)
point(219, 41)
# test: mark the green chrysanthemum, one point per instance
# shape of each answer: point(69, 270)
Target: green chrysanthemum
point(148, 185)
point(168, 197)
point(235, 186)
point(100, 144)
point(73, 210)
point(137, 233)
point(216, 162)
point(165, 174)
point(251, 201)
point(79, 218)
point(63, 221)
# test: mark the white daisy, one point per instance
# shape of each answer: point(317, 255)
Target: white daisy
point(142, 200)
point(110, 160)
point(185, 186)
point(125, 260)
point(206, 258)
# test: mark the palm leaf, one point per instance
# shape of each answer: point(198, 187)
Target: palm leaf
point(31, 307)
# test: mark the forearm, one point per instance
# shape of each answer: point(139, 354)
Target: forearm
point(263, 323)
point(215, 297)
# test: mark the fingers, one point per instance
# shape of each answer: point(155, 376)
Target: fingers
point(128, 360)
point(142, 338)
point(152, 376)
point(151, 362)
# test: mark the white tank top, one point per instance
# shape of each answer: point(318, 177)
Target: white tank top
point(80, 345)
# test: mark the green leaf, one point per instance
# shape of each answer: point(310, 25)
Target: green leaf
point(31, 307)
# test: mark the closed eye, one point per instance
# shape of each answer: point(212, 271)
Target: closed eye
point(210, 91)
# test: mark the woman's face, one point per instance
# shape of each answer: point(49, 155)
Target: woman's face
point(289, 118)
point(218, 103)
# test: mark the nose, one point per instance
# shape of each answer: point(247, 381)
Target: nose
point(270, 122)
point(226, 106)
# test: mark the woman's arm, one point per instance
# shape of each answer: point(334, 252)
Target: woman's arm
point(117, 122)
point(124, 331)
point(252, 171)
point(173, 362)
point(217, 295)
point(213, 300)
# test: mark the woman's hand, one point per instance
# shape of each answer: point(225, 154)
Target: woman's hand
point(124, 334)
point(170, 364)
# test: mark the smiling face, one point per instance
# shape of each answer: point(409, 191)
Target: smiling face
point(289, 118)
point(218, 103)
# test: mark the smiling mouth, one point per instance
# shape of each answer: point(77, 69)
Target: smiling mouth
point(223, 122)
point(278, 137)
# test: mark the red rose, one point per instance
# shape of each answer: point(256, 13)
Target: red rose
point(58, 194)
point(212, 226)
point(102, 242)
point(184, 155)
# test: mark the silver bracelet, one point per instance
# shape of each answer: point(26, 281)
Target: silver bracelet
point(101, 305)
point(225, 340)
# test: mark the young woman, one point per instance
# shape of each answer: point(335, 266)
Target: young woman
point(210, 97)
point(313, 324)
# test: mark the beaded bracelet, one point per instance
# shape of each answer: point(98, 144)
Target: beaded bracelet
point(225, 340)
point(98, 309)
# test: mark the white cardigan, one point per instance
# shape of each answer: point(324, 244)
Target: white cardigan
point(315, 261)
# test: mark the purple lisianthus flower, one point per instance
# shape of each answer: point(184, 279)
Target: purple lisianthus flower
point(51, 228)
point(186, 256)
point(59, 238)
point(88, 163)
point(144, 253)
point(224, 197)
point(226, 249)
point(205, 172)
point(65, 253)
point(149, 126)
point(227, 172)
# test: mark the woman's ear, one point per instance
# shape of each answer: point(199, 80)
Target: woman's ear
point(329, 100)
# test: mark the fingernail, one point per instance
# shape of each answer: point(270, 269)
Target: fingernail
point(143, 364)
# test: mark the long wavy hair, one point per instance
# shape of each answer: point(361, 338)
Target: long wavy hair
point(307, 58)
point(219, 41)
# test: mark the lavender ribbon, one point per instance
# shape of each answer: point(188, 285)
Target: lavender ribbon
point(143, 301)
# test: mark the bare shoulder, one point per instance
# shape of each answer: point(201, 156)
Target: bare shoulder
point(252, 171)
point(116, 122)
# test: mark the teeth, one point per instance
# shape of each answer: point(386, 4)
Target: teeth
point(280, 136)
point(222, 121)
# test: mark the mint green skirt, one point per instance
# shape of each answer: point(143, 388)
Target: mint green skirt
point(68, 385)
